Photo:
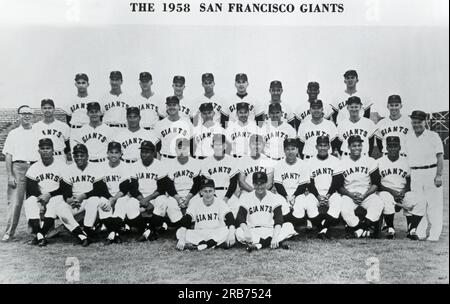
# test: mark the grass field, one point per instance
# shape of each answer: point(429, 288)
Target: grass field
point(308, 261)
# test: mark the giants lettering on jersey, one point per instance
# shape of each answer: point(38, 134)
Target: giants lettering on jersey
point(232, 108)
point(304, 114)
point(217, 107)
point(349, 133)
point(78, 106)
point(131, 141)
point(52, 132)
point(148, 106)
point(315, 133)
point(48, 176)
point(112, 178)
point(221, 169)
point(207, 217)
point(185, 110)
point(278, 134)
point(183, 173)
point(350, 171)
point(146, 175)
point(202, 136)
point(244, 134)
point(177, 130)
point(393, 171)
point(260, 208)
point(321, 171)
point(342, 104)
point(290, 175)
point(94, 135)
point(398, 129)
point(254, 169)
point(82, 178)
point(115, 104)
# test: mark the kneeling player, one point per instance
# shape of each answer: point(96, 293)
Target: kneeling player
point(44, 190)
point(212, 218)
point(395, 189)
point(260, 218)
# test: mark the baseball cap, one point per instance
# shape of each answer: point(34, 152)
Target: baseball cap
point(207, 182)
point(259, 177)
point(45, 142)
point(207, 106)
point(242, 105)
point(290, 142)
point(323, 139)
point(24, 110)
point(353, 99)
point(147, 145)
point(394, 99)
point(135, 110)
point(313, 85)
point(179, 79)
point(350, 73)
point(418, 115)
point(115, 75)
point(317, 103)
point(79, 148)
point(241, 76)
point(273, 107)
point(145, 76)
point(276, 84)
point(393, 140)
point(207, 77)
point(93, 106)
point(47, 101)
point(114, 145)
point(172, 99)
point(81, 76)
point(354, 138)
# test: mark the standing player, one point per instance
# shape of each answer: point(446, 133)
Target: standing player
point(76, 115)
point(203, 132)
point(361, 181)
point(213, 222)
point(356, 125)
point(44, 191)
point(115, 102)
point(54, 129)
point(275, 132)
point(186, 109)
point(395, 189)
point(302, 113)
point(95, 135)
point(132, 137)
point(260, 219)
point(241, 84)
point(171, 128)
point(394, 125)
point(210, 97)
point(317, 126)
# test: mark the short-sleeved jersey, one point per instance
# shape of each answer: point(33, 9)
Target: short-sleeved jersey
point(167, 132)
point(339, 105)
point(220, 170)
point(291, 175)
point(422, 150)
point(303, 112)
point(82, 181)
point(207, 217)
point(95, 139)
point(76, 108)
point(263, 109)
point(183, 175)
point(309, 131)
point(238, 135)
point(274, 138)
point(114, 108)
point(150, 109)
point(388, 127)
point(393, 174)
point(148, 176)
point(218, 107)
point(187, 109)
point(248, 165)
point(203, 137)
point(322, 172)
point(48, 177)
point(364, 127)
point(231, 110)
point(14, 144)
point(260, 213)
point(131, 142)
point(114, 176)
point(357, 173)
point(57, 131)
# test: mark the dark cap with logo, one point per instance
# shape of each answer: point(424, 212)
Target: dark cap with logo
point(47, 101)
point(316, 103)
point(207, 182)
point(115, 75)
point(45, 142)
point(147, 145)
point(172, 99)
point(354, 138)
point(350, 73)
point(394, 99)
point(421, 115)
point(288, 142)
point(81, 76)
point(207, 77)
point(353, 99)
point(179, 79)
point(145, 76)
point(276, 84)
point(313, 85)
point(393, 140)
point(242, 105)
point(206, 106)
point(79, 148)
point(259, 177)
point(275, 107)
point(241, 77)
point(114, 145)
point(133, 110)
point(93, 106)
point(323, 139)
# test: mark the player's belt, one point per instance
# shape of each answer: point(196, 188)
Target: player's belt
point(148, 128)
point(130, 161)
point(24, 162)
point(75, 127)
point(98, 160)
point(236, 156)
point(57, 153)
point(261, 227)
point(168, 156)
point(424, 167)
point(201, 157)
point(117, 125)
point(307, 156)
point(221, 188)
point(276, 158)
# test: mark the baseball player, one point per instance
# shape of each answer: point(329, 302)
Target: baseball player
point(238, 132)
point(287, 115)
point(213, 222)
point(186, 108)
point(356, 125)
point(394, 125)
point(203, 132)
point(317, 126)
point(275, 131)
point(171, 128)
point(150, 104)
point(54, 129)
point(395, 189)
point(350, 79)
point(115, 102)
point(241, 84)
point(132, 137)
point(361, 180)
point(95, 135)
point(209, 96)
point(76, 114)
point(426, 160)
point(326, 179)
point(44, 191)
point(302, 113)
point(260, 219)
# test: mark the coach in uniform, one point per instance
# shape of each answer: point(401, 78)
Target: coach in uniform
point(426, 160)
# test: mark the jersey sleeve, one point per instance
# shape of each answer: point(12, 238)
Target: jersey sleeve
point(157, 131)
point(98, 170)
point(373, 164)
point(277, 172)
point(65, 130)
point(301, 133)
point(337, 166)
point(223, 209)
point(332, 132)
point(161, 170)
point(31, 172)
point(66, 175)
point(372, 128)
point(438, 147)
point(191, 209)
point(8, 146)
point(305, 175)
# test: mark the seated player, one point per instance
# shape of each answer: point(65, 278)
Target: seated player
point(212, 218)
point(260, 219)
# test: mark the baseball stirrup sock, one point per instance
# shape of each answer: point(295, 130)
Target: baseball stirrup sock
point(315, 221)
point(329, 221)
point(156, 221)
point(138, 222)
point(35, 225)
point(389, 219)
point(77, 232)
point(209, 243)
point(295, 221)
point(48, 224)
point(415, 221)
point(408, 221)
point(266, 242)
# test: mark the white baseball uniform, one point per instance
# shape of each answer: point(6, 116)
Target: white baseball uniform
point(364, 127)
point(131, 142)
point(248, 165)
point(303, 112)
point(167, 132)
point(203, 137)
point(95, 139)
point(388, 127)
point(77, 109)
point(150, 109)
point(183, 175)
point(263, 109)
point(339, 105)
point(309, 131)
point(274, 138)
point(114, 108)
point(57, 131)
point(231, 110)
point(218, 107)
point(238, 135)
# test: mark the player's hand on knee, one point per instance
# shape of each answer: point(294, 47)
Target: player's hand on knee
point(12, 182)
point(438, 181)
point(231, 240)
point(180, 245)
point(274, 244)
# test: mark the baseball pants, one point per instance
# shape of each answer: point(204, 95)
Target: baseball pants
point(126, 207)
point(432, 198)
point(167, 205)
point(55, 208)
point(373, 204)
point(305, 204)
point(409, 199)
point(195, 236)
point(260, 233)
point(92, 208)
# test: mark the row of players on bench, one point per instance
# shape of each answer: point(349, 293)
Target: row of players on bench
point(270, 202)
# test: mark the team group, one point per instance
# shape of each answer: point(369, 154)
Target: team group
point(220, 171)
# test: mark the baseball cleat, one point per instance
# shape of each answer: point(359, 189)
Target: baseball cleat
point(144, 236)
point(6, 238)
point(34, 241)
point(42, 243)
point(284, 246)
point(390, 234)
point(412, 235)
point(358, 233)
point(85, 242)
